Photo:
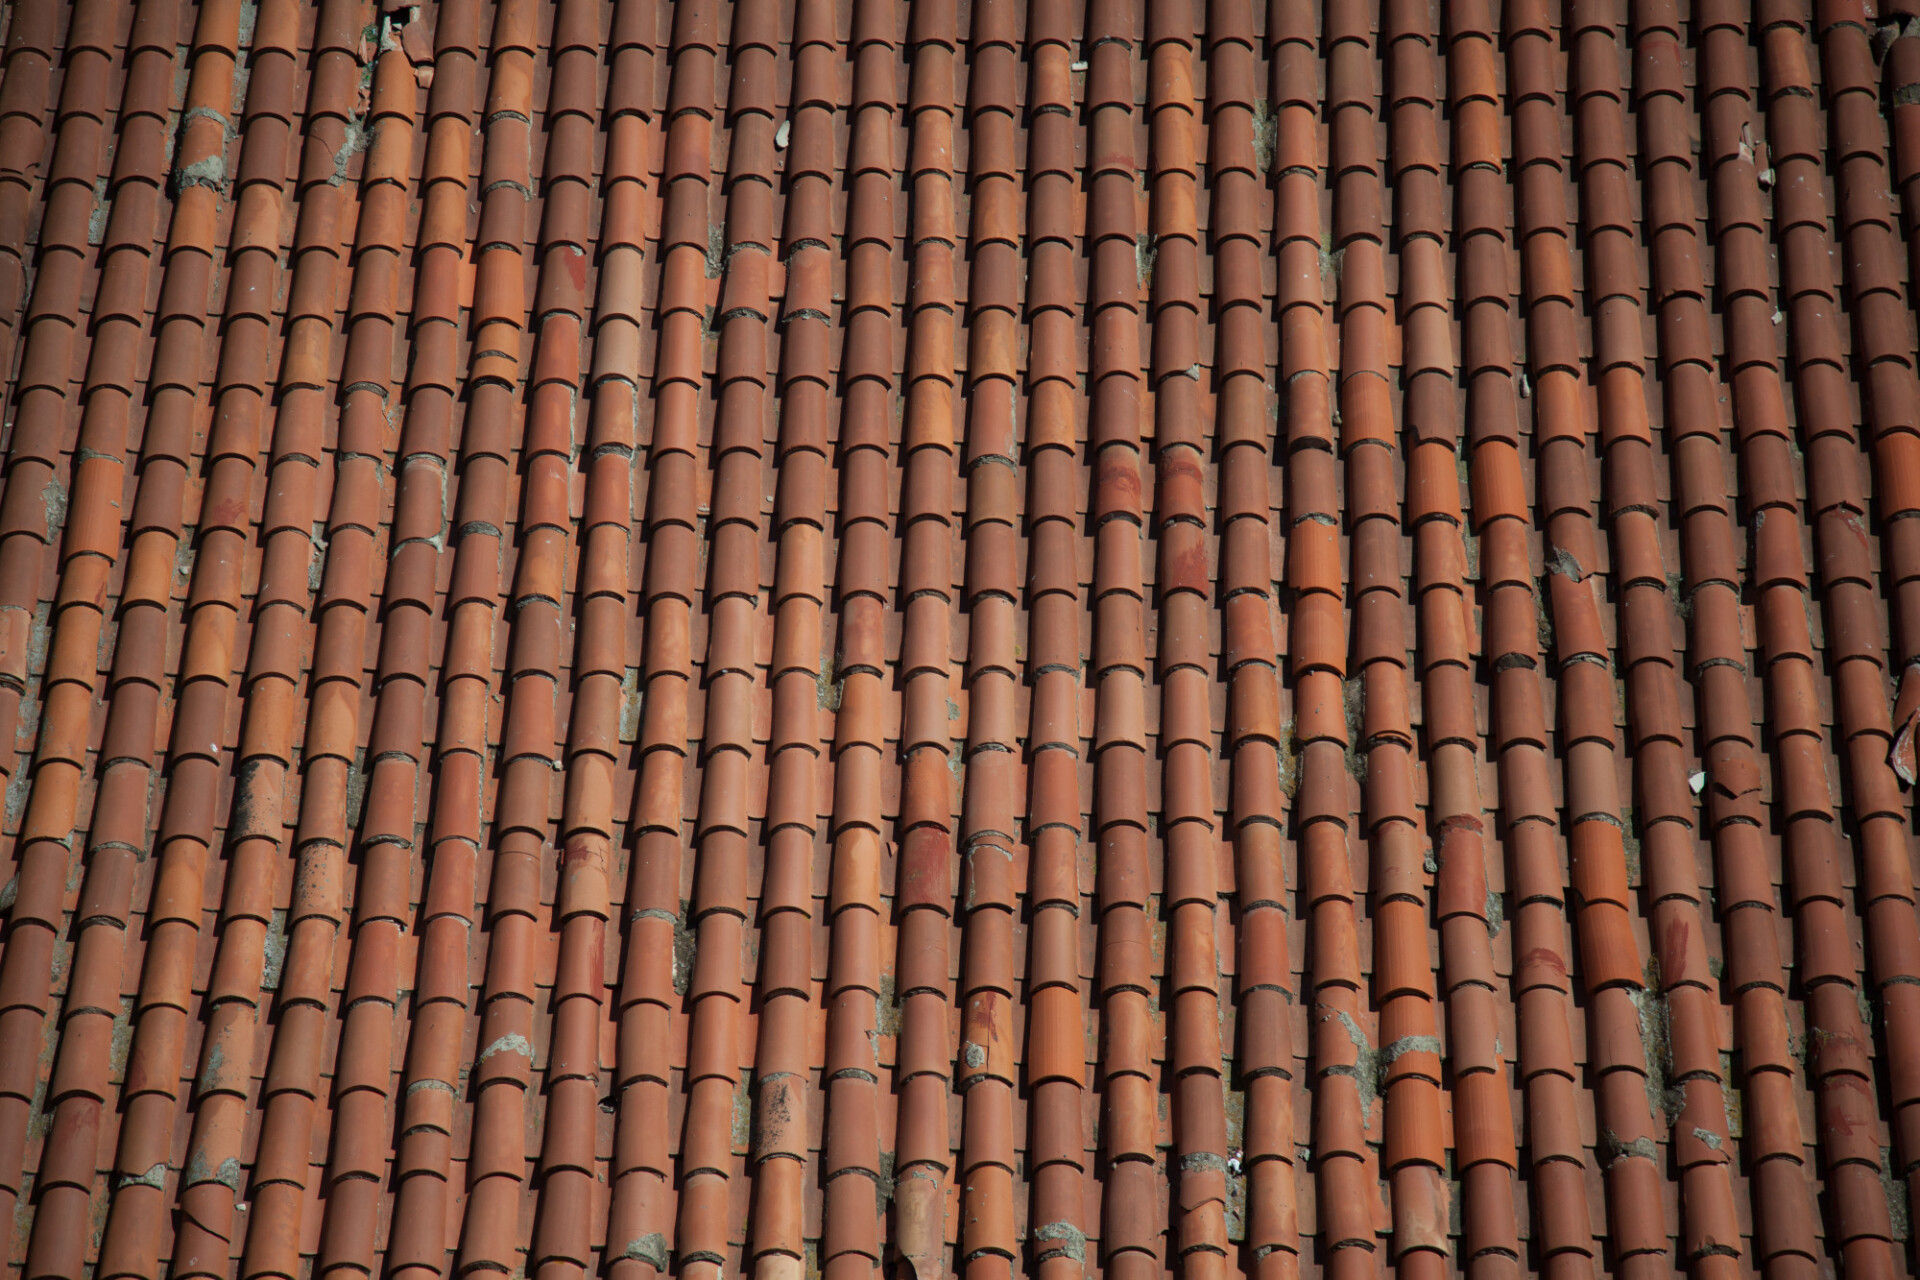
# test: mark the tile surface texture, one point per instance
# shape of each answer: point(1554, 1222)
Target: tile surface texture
point(983, 638)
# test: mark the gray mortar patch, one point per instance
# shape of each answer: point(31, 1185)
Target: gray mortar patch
point(686, 949)
point(1408, 1044)
point(1617, 1150)
point(651, 1247)
point(1289, 760)
point(354, 141)
point(1564, 564)
point(1354, 695)
point(1655, 1016)
point(1898, 1213)
point(633, 704)
point(1366, 1068)
point(1266, 134)
point(156, 1177)
point(1060, 1238)
point(512, 1042)
point(56, 499)
point(210, 173)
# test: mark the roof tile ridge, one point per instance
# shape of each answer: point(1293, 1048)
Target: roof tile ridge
point(1614, 971)
point(1717, 655)
point(189, 817)
point(281, 603)
point(1856, 630)
point(1484, 1154)
point(1413, 1156)
point(1244, 154)
point(540, 427)
point(89, 545)
point(362, 464)
point(1056, 1049)
point(993, 857)
point(504, 434)
point(783, 1062)
point(927, 1070)
point(857, 1022)
point(562, 1238)
point(1510, 648)
point(1854, 89)
point(1353, 1212)
point(1848, 1127)
point(719, 913)
point(34, 41)
point(654, 976)
point(439, 1015)
point(1203, 1160)
point(1664, 815)
point(1117, 666)
point(40, 432)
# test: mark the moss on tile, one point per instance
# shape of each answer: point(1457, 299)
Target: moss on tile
point(1898, 1212)
point(827, 684)
point(686, 948)
point(1656, 1021)
point(1289, 757)
point(1354, 699)
point(1266, 134)
point(887, 1019)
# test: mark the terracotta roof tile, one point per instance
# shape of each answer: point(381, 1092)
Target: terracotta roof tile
point(1075, 638)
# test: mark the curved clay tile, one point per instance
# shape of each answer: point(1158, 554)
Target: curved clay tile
point(648, 639)
point(1884, 352)
point(1413, 1152)
point(1191, 892)
point(338, 690)
point(991, 856)
point(223, 1091)
point(1847, 1130)
point(567, 1168)
point(1265, 982)
point(424, 1217)
point(856, 1190)
point(89, 551)
point(640, 1215)
point(1462, 893)
point(1732, 772)
point(1061, 1216)
point(41, 858)
point(717, 1047)
point(783, 1062)
point(925, 1066)
point(26, 79)
point(1341, 1027)
point(1558, 1110)
point(1602, 906)
point(1663, 814)
point(1116, 664)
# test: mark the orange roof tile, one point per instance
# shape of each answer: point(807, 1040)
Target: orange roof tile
point(989, 637)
